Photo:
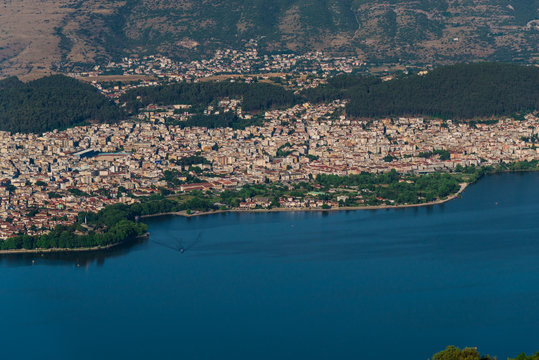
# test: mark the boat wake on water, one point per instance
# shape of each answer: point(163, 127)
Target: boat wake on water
point(180, 246)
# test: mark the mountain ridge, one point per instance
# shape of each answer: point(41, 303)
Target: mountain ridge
point(85, 32)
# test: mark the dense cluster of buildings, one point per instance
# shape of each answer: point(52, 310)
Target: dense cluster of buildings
point(48, 179)
point(228, 61)
point(295, 71)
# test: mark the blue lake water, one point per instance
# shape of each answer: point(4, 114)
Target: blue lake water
point(380, 284)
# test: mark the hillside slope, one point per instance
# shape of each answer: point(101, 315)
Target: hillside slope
point(53, 102)
point(385, 30)
point(422, 31)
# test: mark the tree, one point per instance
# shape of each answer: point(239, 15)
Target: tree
point(454, 353)
point(523, 356)
point(461, 91)
point(10, 188)
point(53, 102)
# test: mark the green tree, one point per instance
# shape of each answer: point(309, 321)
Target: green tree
point(523, 356)
point(454, 353)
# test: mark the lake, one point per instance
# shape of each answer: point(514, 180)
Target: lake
point(381, 284)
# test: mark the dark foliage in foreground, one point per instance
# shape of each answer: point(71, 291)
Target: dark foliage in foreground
point(454, 353)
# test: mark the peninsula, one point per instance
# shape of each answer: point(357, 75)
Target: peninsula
point(247, 144)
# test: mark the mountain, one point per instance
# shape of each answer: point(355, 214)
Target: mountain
point(420, 31)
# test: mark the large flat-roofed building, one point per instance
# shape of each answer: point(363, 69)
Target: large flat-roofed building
point(88, 153)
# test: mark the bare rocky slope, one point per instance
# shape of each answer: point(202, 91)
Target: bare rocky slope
point(38, 36)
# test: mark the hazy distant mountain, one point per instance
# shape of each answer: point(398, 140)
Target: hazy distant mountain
point(386, 30)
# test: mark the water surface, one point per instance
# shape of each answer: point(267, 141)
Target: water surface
point(379, 284)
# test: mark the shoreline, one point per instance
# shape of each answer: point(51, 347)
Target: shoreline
point(463, 187)
point(69, 250)
point(183, 213)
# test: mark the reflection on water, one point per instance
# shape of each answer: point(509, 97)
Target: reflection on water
point(80, 259)
point(385, 284)
point(446, 229)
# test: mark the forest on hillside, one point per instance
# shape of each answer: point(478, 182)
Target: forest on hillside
point(459, 92)
point(256, 96)
point(381, 31)
point(53, 102)
point(463, 91)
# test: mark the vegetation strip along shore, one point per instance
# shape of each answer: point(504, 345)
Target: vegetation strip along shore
point(120, 223)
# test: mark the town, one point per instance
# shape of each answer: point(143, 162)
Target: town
point(47, 179)
point(242, 62)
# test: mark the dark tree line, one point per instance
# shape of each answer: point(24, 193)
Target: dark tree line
point(71, 237)
point(53, 102)
point(340, 87)
point(463, 91)
point(256, 96)
point(459, 91)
